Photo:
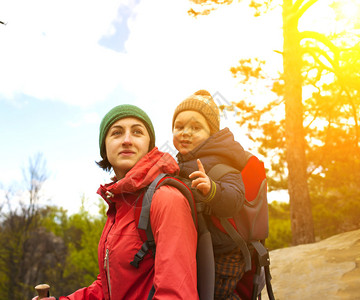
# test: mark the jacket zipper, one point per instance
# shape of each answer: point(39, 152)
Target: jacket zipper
point(106, 267)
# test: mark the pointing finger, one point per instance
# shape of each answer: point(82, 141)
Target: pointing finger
point(200, 166)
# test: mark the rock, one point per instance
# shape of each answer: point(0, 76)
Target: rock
point(329, 269)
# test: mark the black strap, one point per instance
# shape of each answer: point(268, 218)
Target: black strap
point(219, 170)
point(144, 223)
point(268, 283)
point(239, 241)
point(151, 293)
point(146, 204)
point(262, 262)
point(139, 256)
point(262, 252)
point(144, 219)
point(256, 281)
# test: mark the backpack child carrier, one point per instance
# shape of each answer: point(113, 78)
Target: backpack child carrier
point(248, 227)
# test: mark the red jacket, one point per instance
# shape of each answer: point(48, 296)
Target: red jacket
point(174, 272)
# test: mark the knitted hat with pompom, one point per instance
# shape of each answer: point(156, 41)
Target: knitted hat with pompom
point(202, 102)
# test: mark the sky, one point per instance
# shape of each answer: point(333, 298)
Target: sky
point(65, 64)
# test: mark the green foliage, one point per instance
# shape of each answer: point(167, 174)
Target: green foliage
point(82, 263)
point(336, 210)
point(27, 252)
point(80, 234)
point(49, 247)
point(279, 226)
point(44, 244)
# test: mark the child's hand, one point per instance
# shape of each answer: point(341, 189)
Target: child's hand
point(202, 181)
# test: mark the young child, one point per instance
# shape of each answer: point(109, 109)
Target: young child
point(202, 145)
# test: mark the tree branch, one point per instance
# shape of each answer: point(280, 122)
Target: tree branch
point(297, 4)
point(320, 38)
point(334, 63)
point(207, 3)
point(312, 53)
point(301, 10)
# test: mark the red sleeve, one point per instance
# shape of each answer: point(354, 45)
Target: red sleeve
point(92, 292)
point(176, 241)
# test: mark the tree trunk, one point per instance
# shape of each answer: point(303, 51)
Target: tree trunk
point(300, 207)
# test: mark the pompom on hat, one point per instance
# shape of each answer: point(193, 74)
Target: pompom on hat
point(202, 102)
point(120, 112)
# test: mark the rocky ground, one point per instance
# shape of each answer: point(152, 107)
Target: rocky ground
point(329, 269)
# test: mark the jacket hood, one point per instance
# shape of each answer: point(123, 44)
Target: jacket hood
point(142, 174)
point(221, 147)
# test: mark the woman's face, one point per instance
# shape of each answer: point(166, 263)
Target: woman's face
point(126, 142)
point(190, 130)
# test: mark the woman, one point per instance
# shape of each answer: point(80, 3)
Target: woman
point(127, 145)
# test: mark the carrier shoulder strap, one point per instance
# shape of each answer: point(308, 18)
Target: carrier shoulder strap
point(144, 219)
point(236, 237)
point(219, 170)
point(145, 210)
point(163, 179)
point(144, 223)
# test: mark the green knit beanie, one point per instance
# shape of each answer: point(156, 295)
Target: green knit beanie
point(120, 112)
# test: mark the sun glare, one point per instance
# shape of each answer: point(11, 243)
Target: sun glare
point(347, 9)
point(332, 16)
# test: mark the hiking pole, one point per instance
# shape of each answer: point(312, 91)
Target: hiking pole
point(43, 290)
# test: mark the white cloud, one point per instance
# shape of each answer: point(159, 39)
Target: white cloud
point(50, 49)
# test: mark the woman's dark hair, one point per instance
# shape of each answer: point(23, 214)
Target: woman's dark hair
point(104, 164)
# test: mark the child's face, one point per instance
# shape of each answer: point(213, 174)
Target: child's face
point(190, 130)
